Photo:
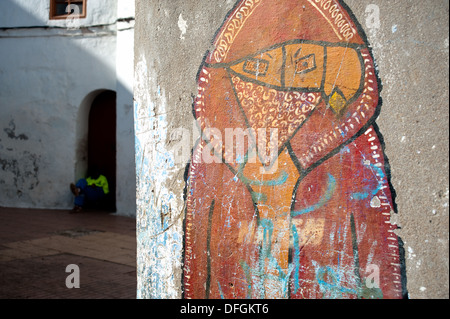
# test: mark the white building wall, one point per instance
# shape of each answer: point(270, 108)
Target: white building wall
point(46, 72)
point(126, 172)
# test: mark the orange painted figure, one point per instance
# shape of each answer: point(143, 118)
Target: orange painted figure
point(288, 192)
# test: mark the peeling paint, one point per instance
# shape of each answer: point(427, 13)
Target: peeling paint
point(182, 24)
point(11, 132)
point(159, 222)
point(21, 176)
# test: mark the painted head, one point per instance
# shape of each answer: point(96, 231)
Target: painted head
point(293, 65)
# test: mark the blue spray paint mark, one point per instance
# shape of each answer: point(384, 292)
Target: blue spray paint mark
point(364, 195)
point(220, 290)
point(274, 182)
point(239, 159)
point(334, 287)
point(266, 258)
point(323, 201)
point(247, 272)
point(296, 258)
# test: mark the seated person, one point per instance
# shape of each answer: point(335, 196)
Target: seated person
point(90, 190)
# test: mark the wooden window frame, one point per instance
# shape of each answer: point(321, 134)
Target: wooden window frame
point(53, 15)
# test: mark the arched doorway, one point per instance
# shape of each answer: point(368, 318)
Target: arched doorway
point(102, 141)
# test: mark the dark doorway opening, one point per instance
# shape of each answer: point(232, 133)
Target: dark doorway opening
point(102, 143)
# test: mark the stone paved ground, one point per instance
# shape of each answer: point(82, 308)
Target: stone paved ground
point(36, 246)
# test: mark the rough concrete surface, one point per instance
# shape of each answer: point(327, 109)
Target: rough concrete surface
point(411, 49)
point(410, 46)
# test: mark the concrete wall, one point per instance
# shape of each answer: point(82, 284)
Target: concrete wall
point(50, 73)
point(410, 47)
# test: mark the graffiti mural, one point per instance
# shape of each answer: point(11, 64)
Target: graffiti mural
point(288, 192)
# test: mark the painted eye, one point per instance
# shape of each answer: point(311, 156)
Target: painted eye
point(305, 64)
point(256, 67)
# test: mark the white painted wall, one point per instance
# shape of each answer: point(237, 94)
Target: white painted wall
point(125, 9)
point(31, 13)
point(46, 76)
point(126, 172)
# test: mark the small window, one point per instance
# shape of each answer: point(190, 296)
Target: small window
point(62, 9)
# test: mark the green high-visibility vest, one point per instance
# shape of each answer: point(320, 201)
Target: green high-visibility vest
point(101, 181)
